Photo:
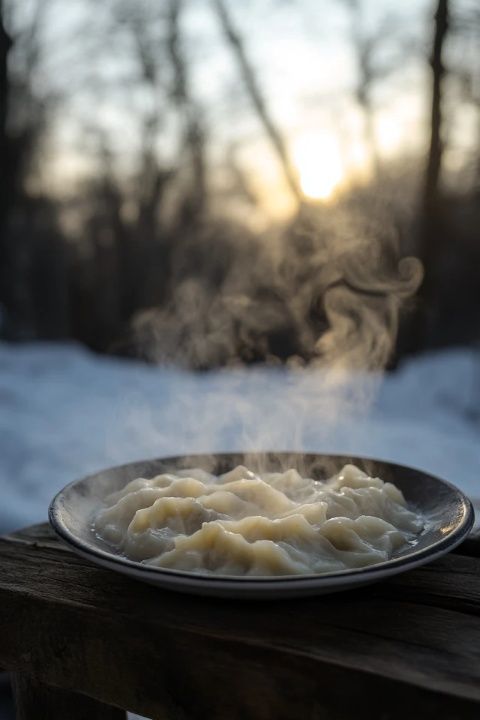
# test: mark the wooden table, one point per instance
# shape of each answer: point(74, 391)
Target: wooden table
point(83, 642)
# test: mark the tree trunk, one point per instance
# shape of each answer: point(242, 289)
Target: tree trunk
point(434, 163)
point(432, 225)
point(194, 134)
point(5, 44)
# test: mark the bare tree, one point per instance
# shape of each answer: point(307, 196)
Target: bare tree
point(193, 129)
point(467, 73)
point(256, 95)
point(434, 162)
point(365, 47)
point(429, 246)
point(23, 115)
point(153, 177)
point(432, 226)
point(5, 45)
point(370, 69)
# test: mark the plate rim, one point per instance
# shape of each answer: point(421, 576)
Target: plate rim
point(338, 577)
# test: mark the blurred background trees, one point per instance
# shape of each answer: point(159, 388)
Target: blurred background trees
point(181, 180)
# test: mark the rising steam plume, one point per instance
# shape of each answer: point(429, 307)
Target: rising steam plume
point(326, 294)
point(329, 292)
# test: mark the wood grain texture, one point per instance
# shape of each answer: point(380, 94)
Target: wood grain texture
point(368, 653)
point(36, 701)
point(471, 546)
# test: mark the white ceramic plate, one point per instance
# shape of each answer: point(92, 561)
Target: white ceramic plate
point(447, 512)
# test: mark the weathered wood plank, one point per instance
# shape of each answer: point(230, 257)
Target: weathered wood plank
point(415, 639)
point(174, 676)
point(36, 701)
point(471, 546)
point(36, 535)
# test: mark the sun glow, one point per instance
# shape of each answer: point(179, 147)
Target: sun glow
point(319, 166)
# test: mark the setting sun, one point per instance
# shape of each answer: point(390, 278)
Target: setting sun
point(319, 166)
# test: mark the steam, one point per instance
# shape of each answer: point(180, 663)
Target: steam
point(329, 293)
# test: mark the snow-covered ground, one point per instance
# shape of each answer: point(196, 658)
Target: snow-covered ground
point(65, 413)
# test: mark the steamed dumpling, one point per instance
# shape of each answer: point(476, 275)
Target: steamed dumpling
point(241, 523)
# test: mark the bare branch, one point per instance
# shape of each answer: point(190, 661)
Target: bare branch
point(257, 98)
point(181, 94)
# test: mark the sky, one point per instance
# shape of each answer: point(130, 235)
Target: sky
point(305, 65)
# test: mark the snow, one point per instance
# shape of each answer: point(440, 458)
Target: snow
point(66, 412)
